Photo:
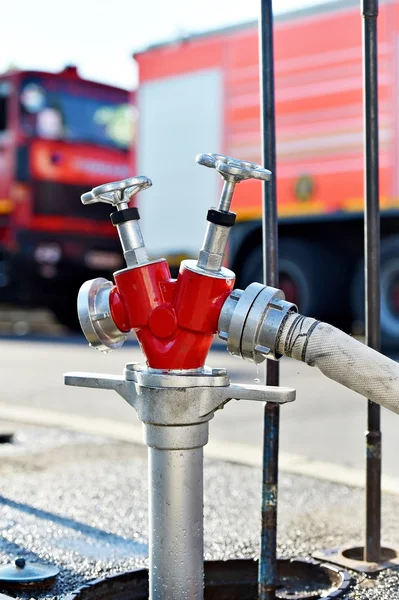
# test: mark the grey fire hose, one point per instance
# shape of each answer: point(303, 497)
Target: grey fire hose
point(341, 358)
point(271, 328)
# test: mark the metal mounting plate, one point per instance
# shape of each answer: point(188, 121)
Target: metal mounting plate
point(184, 398)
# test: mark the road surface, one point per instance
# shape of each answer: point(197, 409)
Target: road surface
point(325, 424)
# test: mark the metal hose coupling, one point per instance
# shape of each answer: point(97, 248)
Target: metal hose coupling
point(251, 319)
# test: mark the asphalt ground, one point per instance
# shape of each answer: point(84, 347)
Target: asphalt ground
point(322, 432)
point(76, 496)
point(80, 502)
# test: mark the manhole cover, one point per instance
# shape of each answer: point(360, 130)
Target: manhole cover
point(231, 580)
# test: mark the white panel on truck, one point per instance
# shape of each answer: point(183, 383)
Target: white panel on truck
point(179, 117)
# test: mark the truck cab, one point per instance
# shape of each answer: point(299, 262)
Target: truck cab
point(60, 136)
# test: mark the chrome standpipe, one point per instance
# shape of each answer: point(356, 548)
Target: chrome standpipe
point(175, 410)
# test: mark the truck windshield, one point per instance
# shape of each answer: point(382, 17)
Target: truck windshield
point(72, 111)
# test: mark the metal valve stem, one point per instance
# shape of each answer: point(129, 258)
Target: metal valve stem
point(130, 237)
point(132, 242)
point(118, 194)
point(220, 220)
point(212, 252)
point(227, 195)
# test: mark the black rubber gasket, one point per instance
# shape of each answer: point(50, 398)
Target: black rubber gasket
point(219, 217)
point(128, 214)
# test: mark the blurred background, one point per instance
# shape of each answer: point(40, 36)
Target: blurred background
point(100, 37)
point(106, 91)
point(97, 91)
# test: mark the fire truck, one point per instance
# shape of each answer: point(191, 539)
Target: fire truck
point(200, 94)
point(60, 135)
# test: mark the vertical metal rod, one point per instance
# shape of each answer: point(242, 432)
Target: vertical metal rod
point(372, 549)
point(268, 560)
point(176, 524)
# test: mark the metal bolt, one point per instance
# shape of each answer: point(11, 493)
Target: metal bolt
point(131, 369)
point(20, 563)
point(135, 366)
point(219, 372)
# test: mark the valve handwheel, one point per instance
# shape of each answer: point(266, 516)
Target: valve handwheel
point(117, 193)
point(233, 169)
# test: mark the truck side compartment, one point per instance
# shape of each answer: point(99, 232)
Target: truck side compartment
point(319, 111)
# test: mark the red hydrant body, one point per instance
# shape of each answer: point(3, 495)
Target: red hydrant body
point(174, 319)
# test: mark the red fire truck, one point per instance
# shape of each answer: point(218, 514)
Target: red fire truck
point(201, 94)
point(60, 135)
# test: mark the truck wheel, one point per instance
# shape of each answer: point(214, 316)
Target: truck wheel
point(4, 272)
point(389, 279)
point(64, 307)
point(308, 274)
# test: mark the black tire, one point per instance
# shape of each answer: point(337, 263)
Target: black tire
point(389, 280)
point(312, 271)
point(7, 289)
point(64, 306)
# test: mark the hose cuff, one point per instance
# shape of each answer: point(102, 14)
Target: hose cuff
point(294, 334)
point(250, 322)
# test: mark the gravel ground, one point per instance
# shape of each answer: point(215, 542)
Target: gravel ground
point(80, 502)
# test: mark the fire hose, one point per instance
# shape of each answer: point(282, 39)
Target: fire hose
point(273, 328)
point(342, 358)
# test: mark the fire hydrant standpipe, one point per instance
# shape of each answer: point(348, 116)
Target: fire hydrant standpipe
point(176, 395)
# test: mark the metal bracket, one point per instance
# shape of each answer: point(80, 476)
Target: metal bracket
point(174, 399)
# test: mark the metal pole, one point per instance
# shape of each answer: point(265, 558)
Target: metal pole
point(372, 549)
point(176, 532)
point(268, 560)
